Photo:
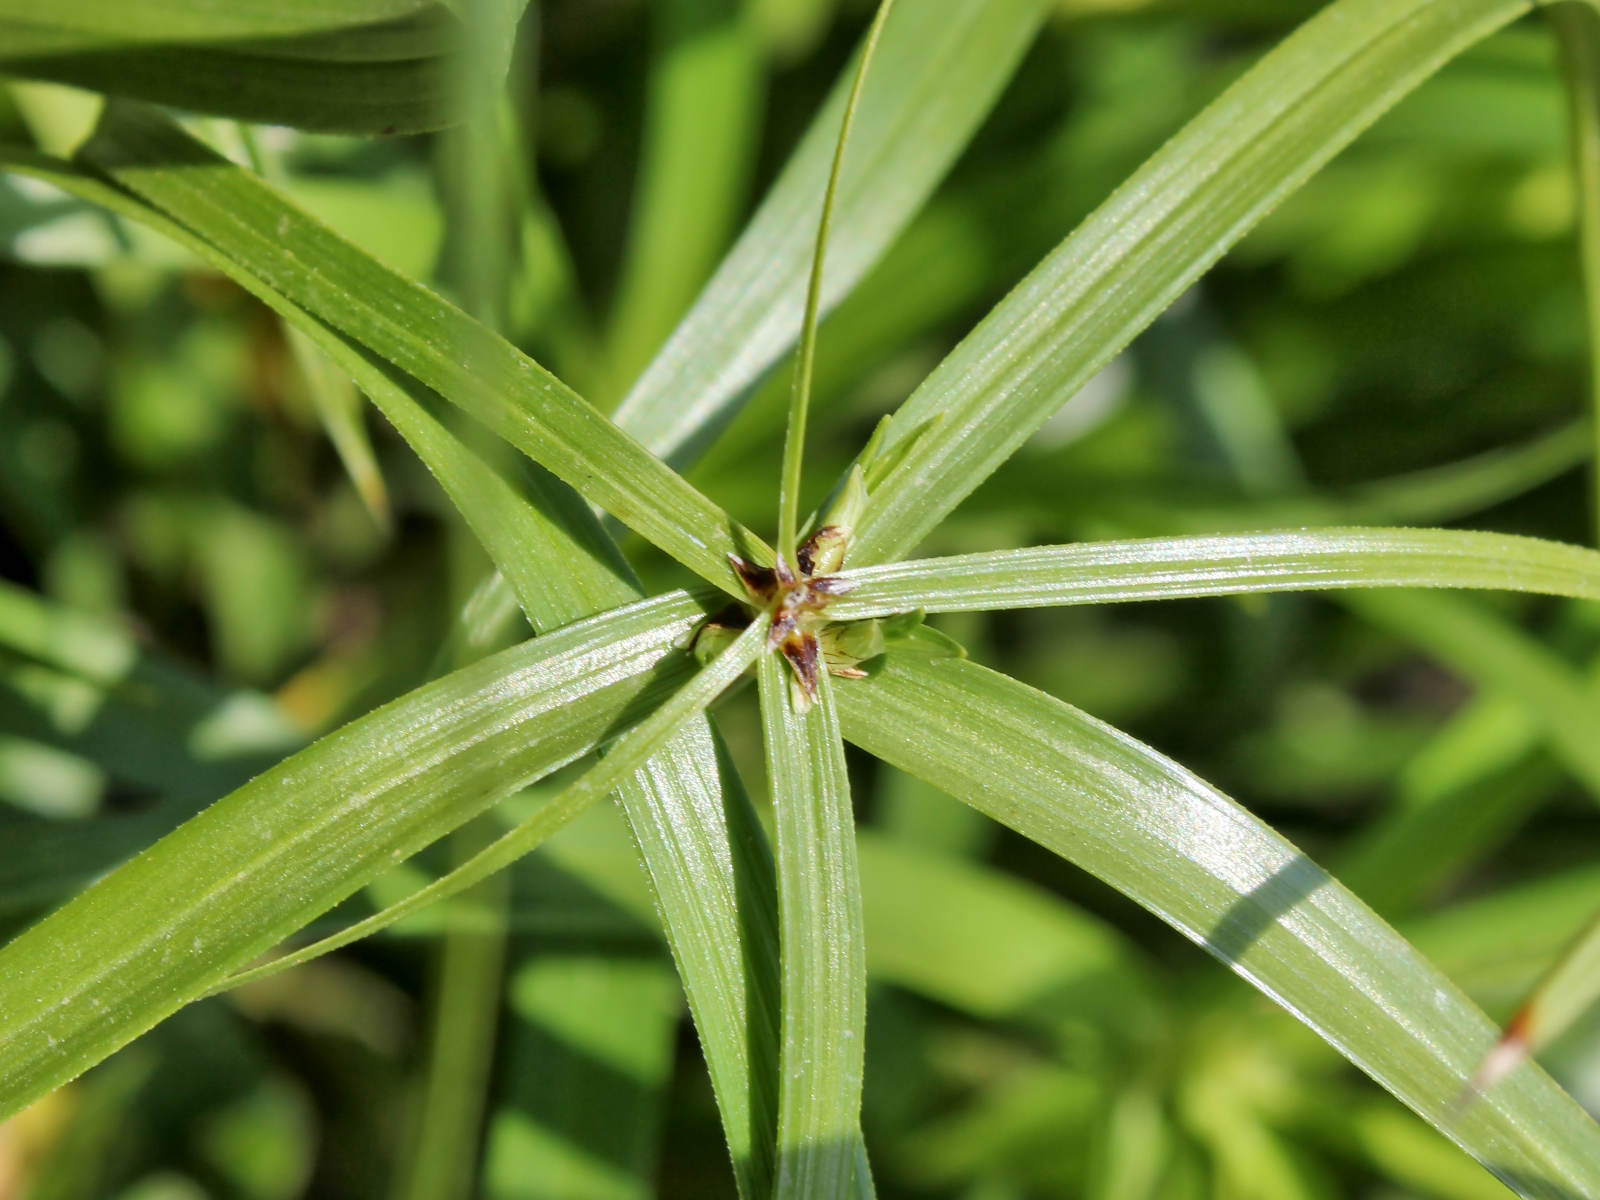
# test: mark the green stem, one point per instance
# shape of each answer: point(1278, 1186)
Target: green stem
point(795, 438)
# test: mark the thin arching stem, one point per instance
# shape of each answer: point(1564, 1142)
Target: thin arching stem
point(800, 397)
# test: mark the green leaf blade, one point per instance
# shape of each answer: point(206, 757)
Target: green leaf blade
point(164, 928)
point(630, 754)
point(940, 68)
point(1177, 846)
point(413, 328)
point(824, 961)
point(709, 864)
point(1225, 564)
point(1155, 236)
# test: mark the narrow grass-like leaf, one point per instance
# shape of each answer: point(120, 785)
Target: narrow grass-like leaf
point(258, 864)
point(706, 853)
point(46, 861)
point(132, 22)
point(941, 66)
point(794, 440)
point(1155, 236)
point(629, 755)
point(693, 825)
point(824, 963)
point(1156, 568)
point(413, 328)
point(525, 519)
point(355, 66)
point(1177, 846)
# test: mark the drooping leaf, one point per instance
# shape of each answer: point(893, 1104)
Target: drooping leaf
point(166, 927)
point(1154, 831)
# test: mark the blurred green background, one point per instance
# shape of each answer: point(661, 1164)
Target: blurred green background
point(1402, 342)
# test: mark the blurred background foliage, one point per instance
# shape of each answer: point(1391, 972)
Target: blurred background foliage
point(1401, 342)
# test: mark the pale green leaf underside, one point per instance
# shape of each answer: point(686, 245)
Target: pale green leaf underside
point(1157, 234)
point(261, 862)
point(1223, 564)
point(820, 1055)
point(1157, 833)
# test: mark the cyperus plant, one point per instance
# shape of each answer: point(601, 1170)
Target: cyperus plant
point(768, 942)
